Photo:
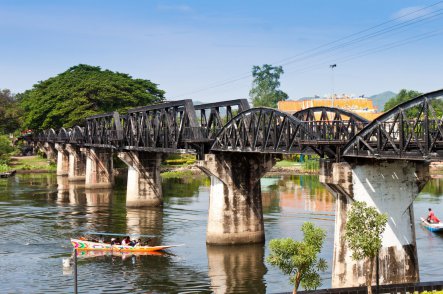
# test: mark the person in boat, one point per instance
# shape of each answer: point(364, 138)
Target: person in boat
point(432, 219)
point(115, 241)
point(126, 241)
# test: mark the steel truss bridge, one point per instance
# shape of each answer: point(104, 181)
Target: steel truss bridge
point(410, 131)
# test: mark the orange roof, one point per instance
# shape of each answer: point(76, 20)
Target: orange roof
point(361, 106)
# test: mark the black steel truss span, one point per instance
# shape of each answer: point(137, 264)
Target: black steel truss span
point(103, 130)
point(266, 130)
point(331, 126)
point(320, 130)
point(214, 116)
point(159, 127)
point(412, 130)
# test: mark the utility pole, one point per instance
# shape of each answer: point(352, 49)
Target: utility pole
point(332, 66)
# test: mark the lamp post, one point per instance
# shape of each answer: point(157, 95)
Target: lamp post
point(332, 66)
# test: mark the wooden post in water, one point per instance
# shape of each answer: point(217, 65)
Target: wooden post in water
point(75, 271)
point(377, 273)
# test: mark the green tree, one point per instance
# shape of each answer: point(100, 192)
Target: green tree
point(363, 231)
point(81, 91)
point(5, 149)
point(403, 96)
point(10, 113)
point(265, 86)
point(299, 259)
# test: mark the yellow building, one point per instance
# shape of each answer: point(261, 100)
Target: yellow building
point(361, 106)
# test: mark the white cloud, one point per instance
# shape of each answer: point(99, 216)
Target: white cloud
point(413, 12)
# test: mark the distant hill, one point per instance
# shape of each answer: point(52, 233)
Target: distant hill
point(379, 100)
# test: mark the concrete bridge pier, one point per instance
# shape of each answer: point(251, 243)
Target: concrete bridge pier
point(144, 183)
point(49, 150)
point(235, 204)
point(62, 160)
point(391, 187)
point(77, 163)
point(99, 168)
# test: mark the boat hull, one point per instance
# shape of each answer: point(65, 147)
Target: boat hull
point(88, 245)
point(432, 227)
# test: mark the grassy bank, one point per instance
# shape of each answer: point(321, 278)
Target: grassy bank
point(28, 163)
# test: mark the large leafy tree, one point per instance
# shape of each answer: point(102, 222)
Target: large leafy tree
point(265, 86)
point(403, 96)
point(82, 91)
point(299, 259)
point(414, 112)
point(10, 113)
point(363, 231)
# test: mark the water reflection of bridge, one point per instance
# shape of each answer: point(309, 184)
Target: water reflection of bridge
point(296, 193)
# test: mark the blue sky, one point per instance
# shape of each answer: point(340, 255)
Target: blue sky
point(205, 50)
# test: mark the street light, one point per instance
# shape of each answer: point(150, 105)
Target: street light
point(332, 66)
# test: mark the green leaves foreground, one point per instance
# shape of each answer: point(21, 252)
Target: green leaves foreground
point(363, 230)
point(299, 259)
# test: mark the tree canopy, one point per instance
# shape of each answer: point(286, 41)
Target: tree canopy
point(82, 91)
point(10, 113)
point(265, 86)
point(299, 259)
point(363, 231)
point(403, 96)
point(412, 113)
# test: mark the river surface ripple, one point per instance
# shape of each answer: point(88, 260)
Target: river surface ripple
point(40, 212)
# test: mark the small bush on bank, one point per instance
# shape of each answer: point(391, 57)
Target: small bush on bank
point(4, 168)
point(311, 164)
point(180, 161)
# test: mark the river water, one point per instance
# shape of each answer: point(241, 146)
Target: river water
point(40, 212)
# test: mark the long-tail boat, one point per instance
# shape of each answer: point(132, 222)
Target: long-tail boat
point(89, 245)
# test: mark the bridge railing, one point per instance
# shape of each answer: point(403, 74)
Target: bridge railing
point(333, 130)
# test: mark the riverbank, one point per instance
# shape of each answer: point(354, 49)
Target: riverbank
point(36, 164)
point(31, 164)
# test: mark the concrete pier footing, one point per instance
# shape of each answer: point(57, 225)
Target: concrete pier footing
point(62, 160)
point(235, 205)
point(144, 183)
point(99, 168)
point(77, 163)
point(391, 187)
point(49, 150)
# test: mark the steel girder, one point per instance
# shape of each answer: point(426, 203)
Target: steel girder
point(409, 131)
point(103, 130)
point(160, 127)
point(333, 127)
point(266, 130)
point(214, 116)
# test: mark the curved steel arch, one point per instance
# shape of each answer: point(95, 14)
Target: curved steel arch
point(63, 135)
point(77, 135)
point(331, 124)
point(410, 130)
point(50, 135)
point(267, 130)
point(308, 114)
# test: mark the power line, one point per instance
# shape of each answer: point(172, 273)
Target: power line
point(373, 50)
point(310, 53)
